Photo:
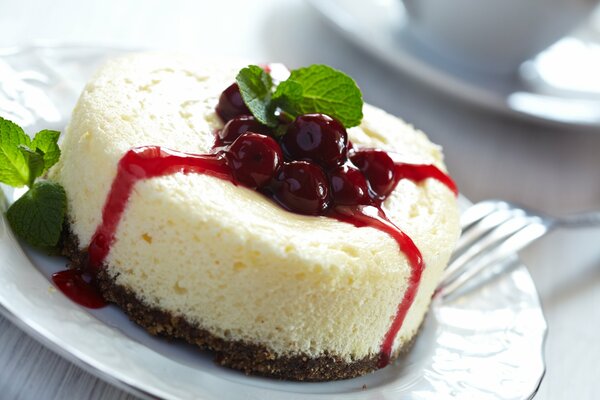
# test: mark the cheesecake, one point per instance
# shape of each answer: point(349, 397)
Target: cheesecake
point(192, 246)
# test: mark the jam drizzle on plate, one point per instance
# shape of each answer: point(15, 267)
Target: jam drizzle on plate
point(77, 285)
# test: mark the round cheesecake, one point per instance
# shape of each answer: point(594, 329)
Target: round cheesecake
point(222, 266)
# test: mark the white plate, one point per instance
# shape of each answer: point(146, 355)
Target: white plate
point(560, 86)
point(487, 345)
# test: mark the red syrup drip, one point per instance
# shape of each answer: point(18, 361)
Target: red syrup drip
point(420, 172)
point(143, 163)
point(73, 283)
point(374, 217)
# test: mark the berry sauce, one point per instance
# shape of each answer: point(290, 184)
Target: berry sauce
point(77, 285)
point(312, 169)
point(375, 217)
point(143, 163)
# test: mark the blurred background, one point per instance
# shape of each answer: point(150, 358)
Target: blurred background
point(545, 154)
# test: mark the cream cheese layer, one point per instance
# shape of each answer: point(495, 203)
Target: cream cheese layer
point(228, 258)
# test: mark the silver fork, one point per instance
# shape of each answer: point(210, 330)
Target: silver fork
point(492, 232)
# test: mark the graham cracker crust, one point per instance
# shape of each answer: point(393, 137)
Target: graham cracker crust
point(250, 358)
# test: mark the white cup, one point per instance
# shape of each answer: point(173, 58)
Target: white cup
point(494, 36)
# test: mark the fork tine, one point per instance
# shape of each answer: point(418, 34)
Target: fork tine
point(487, 241)
point(476, 213)
point(534, 229)
point(486, 276)
point(481, 218)
point(473, 232)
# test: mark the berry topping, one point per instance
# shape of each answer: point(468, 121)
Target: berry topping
point(302, 187)
point(254, 159)
point(238, 126)
point(378, 167)
point(231, 103)
point(349, 186)
point(318, 138)
point(350, 147)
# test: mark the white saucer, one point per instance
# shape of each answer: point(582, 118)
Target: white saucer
point(560, 86)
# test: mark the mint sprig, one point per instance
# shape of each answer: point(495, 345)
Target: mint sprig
point(256, 87)
point(313, 89)
point(36, 217)
point(14, 169)
point(34, 163)
point(322, 89)
point(46, 141)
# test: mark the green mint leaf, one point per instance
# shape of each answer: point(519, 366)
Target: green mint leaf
point(13, 165)
point(327, 91)
point(35, 163)
point(47, 142)
point(37, 217)
point(256, 87)
point(287, 95)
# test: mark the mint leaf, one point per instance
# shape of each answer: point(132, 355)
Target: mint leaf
point(35, 163)
point(47, 142)
point(324, 90)
point(256, 87)
point(287, 95)
point(13, 165)
point(37, 217)
point(314, 89)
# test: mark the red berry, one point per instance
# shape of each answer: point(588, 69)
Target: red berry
point(238, 126)
point(254, 159)
point(349, 186)
point(350, 147)
point(302, 187)
point(378, 168)
point(318, 138)
point(231, 103)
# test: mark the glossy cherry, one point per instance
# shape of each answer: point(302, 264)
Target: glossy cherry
point(318, 138)
point(378, 167)
point(302, 187)
point(231, 104)
point(348, 186)
point(254, 159)
point(237, 127)
point(350, 147)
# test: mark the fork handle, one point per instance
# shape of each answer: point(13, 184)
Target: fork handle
point(582, 220)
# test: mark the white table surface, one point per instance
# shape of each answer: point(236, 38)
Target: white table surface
point(490, 156)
